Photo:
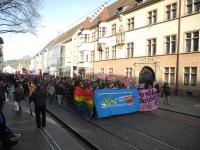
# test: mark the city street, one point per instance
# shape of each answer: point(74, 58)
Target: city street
point(54, 136)
point(160, 129)
point(103, 74)
point(155, 130)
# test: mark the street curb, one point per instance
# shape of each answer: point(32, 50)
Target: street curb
point(94, 146)
point(179, 112)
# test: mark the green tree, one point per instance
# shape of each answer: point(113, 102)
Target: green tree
point(19, 16)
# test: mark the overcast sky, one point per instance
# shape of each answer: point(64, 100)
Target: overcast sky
point(57, 16)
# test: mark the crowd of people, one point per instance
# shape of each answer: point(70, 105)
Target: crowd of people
point(37, 90)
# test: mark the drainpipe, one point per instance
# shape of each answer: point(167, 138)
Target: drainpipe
point(178, 50)
point(1, 54)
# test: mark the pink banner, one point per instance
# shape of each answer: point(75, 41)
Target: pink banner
point(148, 99)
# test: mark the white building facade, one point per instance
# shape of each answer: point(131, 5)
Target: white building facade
point(145, 40)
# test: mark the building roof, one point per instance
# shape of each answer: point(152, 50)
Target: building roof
point(117, 8)
point(63, 36)
point(109, 12)
point(112, 10)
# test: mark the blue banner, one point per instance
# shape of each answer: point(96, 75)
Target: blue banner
point(110, 102)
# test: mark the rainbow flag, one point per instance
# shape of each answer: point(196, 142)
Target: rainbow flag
point(84, 102)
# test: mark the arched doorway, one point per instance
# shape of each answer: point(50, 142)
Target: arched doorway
point(147, 76)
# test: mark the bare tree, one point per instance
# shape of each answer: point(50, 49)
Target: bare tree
point(19, 16)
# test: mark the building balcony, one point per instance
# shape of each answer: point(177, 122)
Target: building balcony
point(102, 40)
point(85, 46)
point(84, 64)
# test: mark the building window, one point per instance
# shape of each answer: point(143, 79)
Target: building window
point(102, 70)
point(93, 36)
point(110, 71)
point(92, 56)
point(169, 75)
point(192, 41)
point(129, 72)
point(107, 53)
point(130, 24)
point(62, 61)
point(193, 5)
point(100, 55)
point(82, 56)
point(171, 11)
point(130, 49)
point(197, 5)
point(114, 52)
point(152, 17)
point(151, 47)
point(86, 38)
point(91, 72)
point(170, 44)
point(190, 76)
point(87, 58)
point(113, 29)
point(102, 31)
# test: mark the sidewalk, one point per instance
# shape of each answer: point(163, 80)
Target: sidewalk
point(185, 105)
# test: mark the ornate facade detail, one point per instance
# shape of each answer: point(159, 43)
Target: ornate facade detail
point(120, 36)
point(145, 62)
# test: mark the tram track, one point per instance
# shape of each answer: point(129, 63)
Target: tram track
point(178, 112)
point(124, 139)
point(139, 133)
point(194, 120)
point(91, 145)
point(52, 143)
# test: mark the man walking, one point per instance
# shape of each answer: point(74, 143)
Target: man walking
point(39, 99)
point(166, 93)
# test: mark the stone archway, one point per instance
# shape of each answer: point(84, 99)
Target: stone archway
point(141, 63)
point(147, 76)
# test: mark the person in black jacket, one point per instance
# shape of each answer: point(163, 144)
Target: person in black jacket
point(19, 96)
point(166, 93)
point(7, 142)
point(39, 99)
point(2, 91)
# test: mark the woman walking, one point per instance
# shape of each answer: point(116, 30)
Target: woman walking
point(19, 96)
